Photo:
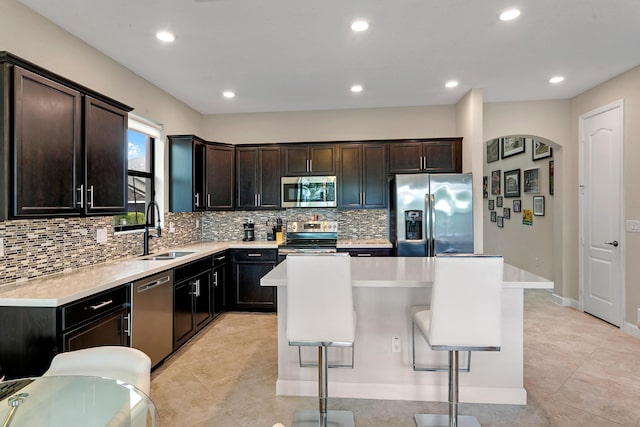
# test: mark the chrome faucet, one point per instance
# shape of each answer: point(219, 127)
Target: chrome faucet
point(147, 224)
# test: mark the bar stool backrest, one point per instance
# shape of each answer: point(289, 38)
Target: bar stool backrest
point(466, 302)
point(319, 299)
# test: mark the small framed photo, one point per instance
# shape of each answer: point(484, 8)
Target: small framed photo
point(538, 205)
point(485, 187)
point(517, 205)
point(512, 145)
point(500, 222)
point(506, 213)
point(532, 180)
point(495, 182)
point(540, 150)
point(493, 150)
point(491, 205)
point(512, 183)
point(499, 201)
point(493, 216)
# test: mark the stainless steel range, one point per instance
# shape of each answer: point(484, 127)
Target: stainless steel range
point(310, 236)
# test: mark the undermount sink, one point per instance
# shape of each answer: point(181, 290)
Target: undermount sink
point(165, 256)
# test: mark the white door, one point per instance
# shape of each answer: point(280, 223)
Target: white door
point(601, 213)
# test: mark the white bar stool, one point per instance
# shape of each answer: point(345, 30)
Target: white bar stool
point(464, 315)
point(320, 314)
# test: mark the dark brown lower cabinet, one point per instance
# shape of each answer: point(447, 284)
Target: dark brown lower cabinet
point(244, 290)
point(192, 299)
point(365, 252)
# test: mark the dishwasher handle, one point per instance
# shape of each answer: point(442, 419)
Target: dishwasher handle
point(147, 286)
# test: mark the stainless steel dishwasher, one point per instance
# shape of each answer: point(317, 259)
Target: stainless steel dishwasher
point(152, 316)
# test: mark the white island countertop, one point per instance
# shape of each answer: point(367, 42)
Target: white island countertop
point(407, 272)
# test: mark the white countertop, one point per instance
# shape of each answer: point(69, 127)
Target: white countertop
point(387, 272)
point(62, 288)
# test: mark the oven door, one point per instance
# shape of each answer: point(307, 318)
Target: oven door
point(309, 192)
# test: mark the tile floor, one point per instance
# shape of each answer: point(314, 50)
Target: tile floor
point(579, 371)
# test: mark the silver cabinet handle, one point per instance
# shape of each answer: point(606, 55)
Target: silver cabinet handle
point(198, 288)
point(147, 286)
point(258, 255)
point(208, 200)
point(220, 258)
point(81, 190)
point(90, 199)
point(310, 165)
point(127, 329)
point(259, 201)
point(197, 200)
point(255, 199)
point(102, 304)
point(363, 255)
point(215, 279)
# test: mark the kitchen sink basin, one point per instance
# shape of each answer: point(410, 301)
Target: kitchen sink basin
point(165, 256)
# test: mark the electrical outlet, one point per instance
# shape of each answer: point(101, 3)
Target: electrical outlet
point(172, 229)
point(197, 223)
point(2, 250)
point(395, 345)
point(101, 235)
point(638, 309)
point(633, 226)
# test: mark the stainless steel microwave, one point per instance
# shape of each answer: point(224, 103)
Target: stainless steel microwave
point(309, 192)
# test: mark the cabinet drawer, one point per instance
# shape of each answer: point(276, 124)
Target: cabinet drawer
point(187, 271)
point(377, 252)
point(220, 258)
point(94, 306)
point(256, 255)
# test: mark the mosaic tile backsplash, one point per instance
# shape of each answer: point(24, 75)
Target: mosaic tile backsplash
point(38, 247)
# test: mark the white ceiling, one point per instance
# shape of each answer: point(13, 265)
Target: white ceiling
point(290, 55)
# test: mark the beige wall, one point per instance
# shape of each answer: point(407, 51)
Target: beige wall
point(627, 88)
point(469, 111)
point(544, 248)
point(331, 125)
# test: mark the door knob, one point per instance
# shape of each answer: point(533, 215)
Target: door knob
point(614, 243)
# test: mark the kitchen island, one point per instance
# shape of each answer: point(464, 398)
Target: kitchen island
point(384, 291)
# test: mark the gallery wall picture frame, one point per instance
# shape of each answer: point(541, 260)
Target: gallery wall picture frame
point(495, 182)
point(538, 205)
point(490, 205)
point(494, 215)
point(540, 150)
point(551, 177)
point(506, 213)
point(531, 180)
point(517, 205)
point(485, 187)
point(500, 222)
point(512, 145)
point(499, 201)
point(512, 183)
point(493, 150)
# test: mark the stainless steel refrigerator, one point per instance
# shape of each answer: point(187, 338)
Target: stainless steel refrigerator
point(431, 214)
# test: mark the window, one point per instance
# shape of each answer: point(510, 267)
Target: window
point(140, 180)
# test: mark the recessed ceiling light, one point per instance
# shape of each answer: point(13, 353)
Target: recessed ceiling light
point(556, 79)
point(228, 94)
point(356, 88)
point(165, 36)
point(451, 84)
point(359, 25)
point(509, 15)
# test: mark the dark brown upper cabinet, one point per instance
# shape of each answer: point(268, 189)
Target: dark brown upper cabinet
point(442, 155)
point(362, 178)
point(63, 145)
point(258, 177)
point(200, 174)
point(309, 159)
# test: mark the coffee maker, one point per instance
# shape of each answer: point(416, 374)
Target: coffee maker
point(249, 231)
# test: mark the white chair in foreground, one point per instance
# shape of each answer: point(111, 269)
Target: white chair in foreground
point(464, 315)
point(320, 314)
point(120, 363)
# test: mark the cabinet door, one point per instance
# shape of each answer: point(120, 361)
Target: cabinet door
point(374, 176)
point(183, 322)
point(269, 177)
point(105, 139)
point(246, 167)
point(322, 160)
point(219, 180)
point(203, 311)
point(249, 295)
point(350, 181)
point(405, 157)
point(47, 150)
point(109, 330)
point(219, 281)
point(199, 172)
point(296, 160)
point(443, 156)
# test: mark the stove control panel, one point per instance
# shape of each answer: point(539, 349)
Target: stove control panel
point(312, 227)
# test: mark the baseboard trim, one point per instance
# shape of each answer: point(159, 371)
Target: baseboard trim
point(631, 329)
point(425, 393)
point(565, 302)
